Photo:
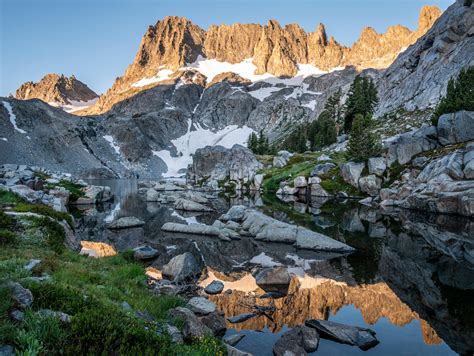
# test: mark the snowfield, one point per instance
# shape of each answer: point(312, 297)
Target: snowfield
point(112, 143)
point(12, 116)
point(75, 105)
point(199, 137)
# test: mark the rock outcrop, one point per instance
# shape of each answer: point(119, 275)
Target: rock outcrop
point(419, 76)
point(216, 166)
point(55, 88)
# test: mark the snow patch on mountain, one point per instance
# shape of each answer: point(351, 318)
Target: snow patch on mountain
point(163, 74)
point(198, 137)
point(112, 143)
point(74, 105)
point(12, 116)
point(246, 69)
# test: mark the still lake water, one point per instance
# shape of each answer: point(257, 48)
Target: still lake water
point(411, 279)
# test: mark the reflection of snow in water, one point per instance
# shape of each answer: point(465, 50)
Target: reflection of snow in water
point(244, 284)
point(113, 214)
point(190, 220)
point(300, 262)
point(264, 261)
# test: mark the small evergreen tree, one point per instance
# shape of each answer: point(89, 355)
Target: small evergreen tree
point(459, 95)
point(334, 107)
point(322, 132)
point(262, 144)
point(363, 142)
point(252, 142)
point(327, 131)
point(362, 100)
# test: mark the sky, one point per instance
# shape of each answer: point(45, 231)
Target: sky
point(96, 39)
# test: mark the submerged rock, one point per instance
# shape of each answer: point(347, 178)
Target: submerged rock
point(215, 287)
point(345, 334)
point(297, 341)
point(126, 222)
point(241, 318)
point(233, 340)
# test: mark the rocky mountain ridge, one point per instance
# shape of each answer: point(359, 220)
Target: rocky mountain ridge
point(174, 43)
point(58, 90)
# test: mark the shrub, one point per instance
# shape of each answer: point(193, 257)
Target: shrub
point(41, 335)
point(109, 330)
point(5, 220)
point(6, 237)
point(54, 233)
point(459, 95)
point(44, 210)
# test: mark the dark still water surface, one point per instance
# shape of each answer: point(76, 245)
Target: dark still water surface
point(411, 279)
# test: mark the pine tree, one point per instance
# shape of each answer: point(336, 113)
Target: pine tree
point(334, 107)
point(362, 100)
point(459, 95)
point(327, 131)
point(252, 142)
point(363, 142)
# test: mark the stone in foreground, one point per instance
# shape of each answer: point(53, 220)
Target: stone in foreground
point(181, 267)
point(201, 306)
point(144, 253)
point(126, 223)
point(192, 327)
point(344, 334)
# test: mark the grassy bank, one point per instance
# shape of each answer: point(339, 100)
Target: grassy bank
point(96, 294)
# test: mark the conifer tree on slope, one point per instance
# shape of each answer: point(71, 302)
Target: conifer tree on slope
point(363, 142)
point(362, 100)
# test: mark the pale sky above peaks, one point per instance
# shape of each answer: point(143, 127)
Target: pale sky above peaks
point(96, 39)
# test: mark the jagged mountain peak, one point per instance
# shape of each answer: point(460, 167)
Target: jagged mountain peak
point(59, 90)
point(175, 42)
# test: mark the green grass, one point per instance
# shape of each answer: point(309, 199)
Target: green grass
point(9, 198)
point(91, 290)
point(333, 183)
point(298, 165)
point(75, 189)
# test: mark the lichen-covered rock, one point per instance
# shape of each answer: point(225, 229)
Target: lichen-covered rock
point(377, 166)
point(370, 184)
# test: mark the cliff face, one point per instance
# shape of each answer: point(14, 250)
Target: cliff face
point(55, 88)
point(175, 42)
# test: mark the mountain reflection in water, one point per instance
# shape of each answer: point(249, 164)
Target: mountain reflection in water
point(411, 278)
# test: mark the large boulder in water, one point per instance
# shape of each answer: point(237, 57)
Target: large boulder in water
point(273, 279)
point(345, 334)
